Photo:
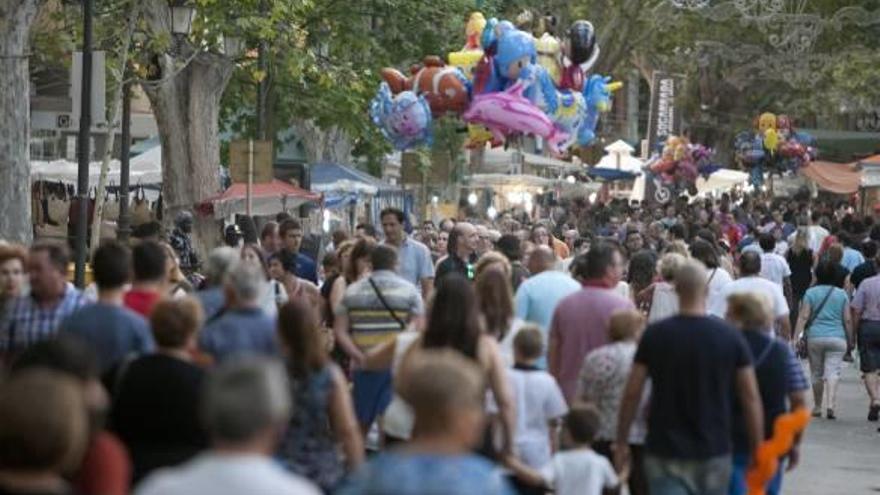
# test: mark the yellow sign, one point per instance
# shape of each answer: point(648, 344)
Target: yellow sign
point(240, 159)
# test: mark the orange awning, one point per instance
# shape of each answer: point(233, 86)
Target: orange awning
point(874, 160)
point(840, 178)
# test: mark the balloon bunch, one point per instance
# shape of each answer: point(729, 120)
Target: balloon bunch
point(680, 163)
point(774, 146)
point(785, 429)
point(504, 82)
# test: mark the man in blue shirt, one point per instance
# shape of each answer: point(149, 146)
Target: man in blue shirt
point(414, 258)
point(110, 328)
point(243, 327)
point(699, 367)
point(538, 296)
point(294, 261)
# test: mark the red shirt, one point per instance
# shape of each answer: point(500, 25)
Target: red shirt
point(141, 301)
point(105, 470)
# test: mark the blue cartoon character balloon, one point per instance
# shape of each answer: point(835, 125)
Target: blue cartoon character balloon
point(597, 92)
point(404, 119)
point(508, 51)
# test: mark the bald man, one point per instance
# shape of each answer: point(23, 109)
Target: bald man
point(462, 246)
point(537, 297)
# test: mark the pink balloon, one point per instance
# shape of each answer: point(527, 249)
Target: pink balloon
point(507, 112)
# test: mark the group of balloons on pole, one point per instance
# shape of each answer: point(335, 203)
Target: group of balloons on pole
point(774, 146)
point(504, 82)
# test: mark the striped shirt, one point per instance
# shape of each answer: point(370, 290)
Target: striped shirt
point(27, 323)
point(370, 322)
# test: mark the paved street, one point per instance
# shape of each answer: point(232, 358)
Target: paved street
point(842, 456)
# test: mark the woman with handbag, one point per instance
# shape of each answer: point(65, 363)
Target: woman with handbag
point(825, 327)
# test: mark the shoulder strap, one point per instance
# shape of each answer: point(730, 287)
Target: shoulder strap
point(764, 353)
point(385, 303)
point(121, 372)
point(814, 314)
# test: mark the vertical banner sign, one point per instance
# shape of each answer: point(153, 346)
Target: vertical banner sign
point(664, 118)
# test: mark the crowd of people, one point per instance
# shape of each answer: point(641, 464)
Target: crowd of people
point(602, 346)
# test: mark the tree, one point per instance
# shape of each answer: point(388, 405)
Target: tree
point(323, 68)
point(185, 86)
point(16, 19)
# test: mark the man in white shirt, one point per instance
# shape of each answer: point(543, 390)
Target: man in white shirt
point(774, 267)
point(751, 281)
point(246, 404)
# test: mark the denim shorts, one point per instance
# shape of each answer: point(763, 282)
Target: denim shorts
point(688, 477)
point(371, 391)
point(869, 346)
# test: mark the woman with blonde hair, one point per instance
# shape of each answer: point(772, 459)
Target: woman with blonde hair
point(175, 281)
point(660, 298)
point(354, 259)
point(492, 260)
point(753, 314)
point(800, 261)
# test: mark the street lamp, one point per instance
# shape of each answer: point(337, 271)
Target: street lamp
point(233, 46)
point(83, 151)
point(182, 14)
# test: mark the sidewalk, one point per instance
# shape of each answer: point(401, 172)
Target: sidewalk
point(841, 456)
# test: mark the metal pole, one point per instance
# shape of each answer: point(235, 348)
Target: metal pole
point(261, 92)
point(250, 175)
point(83, 145)
point(123, 227)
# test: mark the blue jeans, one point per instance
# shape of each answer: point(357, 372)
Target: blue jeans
point(738, 479)
point(688, 477)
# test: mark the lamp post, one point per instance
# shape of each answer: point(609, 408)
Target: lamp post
point(123, 230)
point(182, 13)
point(233, 46)
point(83, 148)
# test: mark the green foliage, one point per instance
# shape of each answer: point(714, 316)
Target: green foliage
point(323, 60)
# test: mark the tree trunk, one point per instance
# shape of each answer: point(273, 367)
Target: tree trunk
point(187, 109)
point(16, 18)
point(323, 145)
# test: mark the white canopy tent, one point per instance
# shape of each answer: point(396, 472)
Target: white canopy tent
point(721, 180)
point(619, 157)
point(145, 169)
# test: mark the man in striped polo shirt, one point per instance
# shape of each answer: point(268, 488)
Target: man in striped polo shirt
point(372, 312)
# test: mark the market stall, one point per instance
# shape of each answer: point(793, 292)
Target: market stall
point(54, 203)
point(266, 198)
point(350, 193)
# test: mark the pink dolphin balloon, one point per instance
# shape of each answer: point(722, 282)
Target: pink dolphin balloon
point(508, 111)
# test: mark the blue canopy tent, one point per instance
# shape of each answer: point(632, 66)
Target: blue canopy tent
point(610, 174)
point(345, 187)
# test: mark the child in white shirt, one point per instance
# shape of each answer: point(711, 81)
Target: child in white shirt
point(540, 404)
point(579, 470)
